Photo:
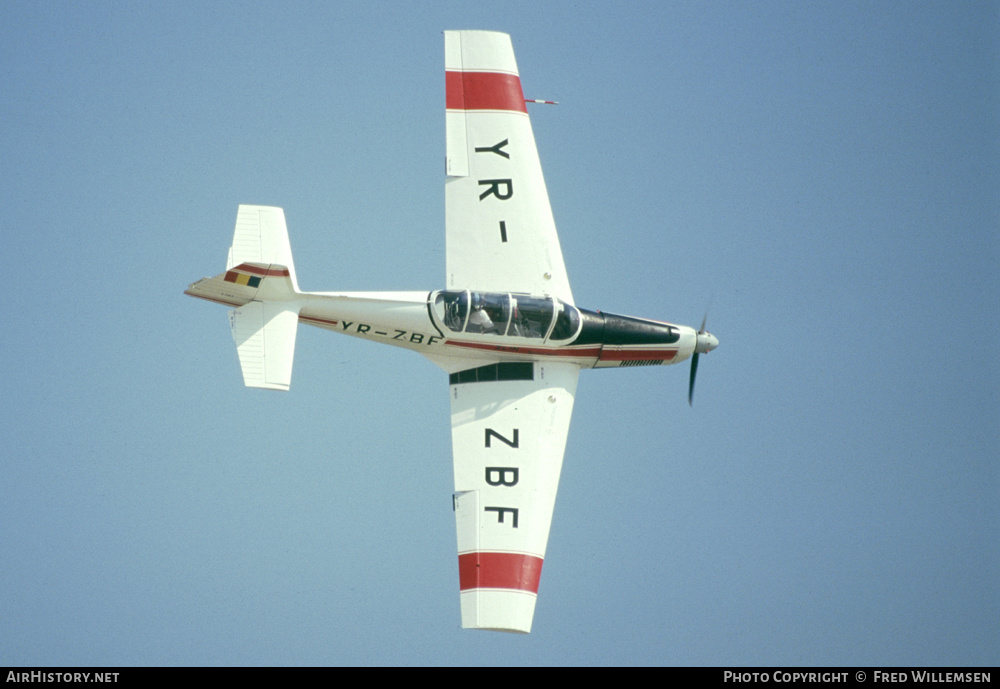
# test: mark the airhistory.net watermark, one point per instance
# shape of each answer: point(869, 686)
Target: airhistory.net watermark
point(62, 677)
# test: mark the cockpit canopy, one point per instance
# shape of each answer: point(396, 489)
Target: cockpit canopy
point(510, 315)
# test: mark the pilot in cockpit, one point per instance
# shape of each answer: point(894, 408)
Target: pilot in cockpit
point(478, 317)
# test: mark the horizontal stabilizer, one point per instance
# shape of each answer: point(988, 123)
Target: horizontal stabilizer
point(261, 236)
point(264, 333)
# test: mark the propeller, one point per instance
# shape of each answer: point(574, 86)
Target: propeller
point(694, 372)
point(705, 343)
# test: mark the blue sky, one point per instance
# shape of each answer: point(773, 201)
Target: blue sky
point(822, 176)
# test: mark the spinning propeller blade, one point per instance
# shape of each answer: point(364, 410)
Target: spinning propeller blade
point(706, 342)
point(694, 372)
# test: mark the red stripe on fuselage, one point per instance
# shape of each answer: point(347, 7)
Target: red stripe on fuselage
point(480, 570)
point(603, 354)
point(518, 349)
point(637, 354)
point(315, 320)
point(483, 91)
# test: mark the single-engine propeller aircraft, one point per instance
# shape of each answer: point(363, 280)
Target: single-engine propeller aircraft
point(505, 328)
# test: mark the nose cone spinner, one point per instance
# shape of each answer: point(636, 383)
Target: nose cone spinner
point(706, 343)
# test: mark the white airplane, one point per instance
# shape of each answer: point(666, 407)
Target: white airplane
point(505, 328)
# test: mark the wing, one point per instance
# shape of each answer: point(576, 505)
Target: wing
point(509, 423)
point(500, 233)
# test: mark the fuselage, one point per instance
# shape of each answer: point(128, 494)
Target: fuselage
point(495, 326)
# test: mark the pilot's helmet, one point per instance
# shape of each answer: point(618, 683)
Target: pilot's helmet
point(477, 301)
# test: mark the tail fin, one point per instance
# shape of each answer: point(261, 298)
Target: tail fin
point(260, 282)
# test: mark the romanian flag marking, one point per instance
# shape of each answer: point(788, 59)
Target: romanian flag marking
point(242, 279)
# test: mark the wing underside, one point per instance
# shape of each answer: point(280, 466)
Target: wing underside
point(509, 420)
point(509, 435)
point(501, 236)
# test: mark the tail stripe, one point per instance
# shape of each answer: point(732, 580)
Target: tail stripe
point(267, 272)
